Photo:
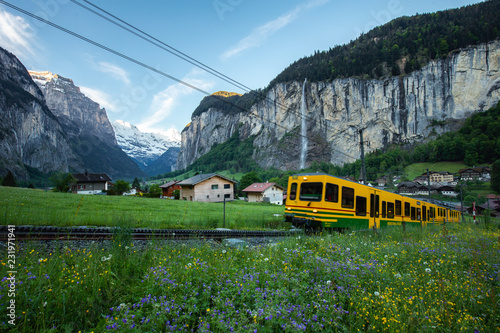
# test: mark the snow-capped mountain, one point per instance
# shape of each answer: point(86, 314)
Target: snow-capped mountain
point(145, 148)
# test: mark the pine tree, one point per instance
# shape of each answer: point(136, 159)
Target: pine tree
point(9, 180)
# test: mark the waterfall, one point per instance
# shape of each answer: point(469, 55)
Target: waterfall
point(303, 131)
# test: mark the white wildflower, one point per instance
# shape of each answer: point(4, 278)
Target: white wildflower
point(428, 270)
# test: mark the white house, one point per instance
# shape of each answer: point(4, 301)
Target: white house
point(265, 192)
point(90, 183)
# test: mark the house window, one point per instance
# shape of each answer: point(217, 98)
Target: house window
point(215, 187)
point(227, 186)
point(227, 196)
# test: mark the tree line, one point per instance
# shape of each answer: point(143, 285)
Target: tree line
point(401, 46)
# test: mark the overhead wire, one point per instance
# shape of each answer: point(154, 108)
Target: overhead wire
point(176, 52)
point(137, 62)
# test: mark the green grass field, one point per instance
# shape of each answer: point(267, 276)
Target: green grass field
point(417, 169)
point(21, 206)
point(431, 280)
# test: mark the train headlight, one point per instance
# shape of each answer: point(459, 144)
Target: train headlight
point(289, 208)
point(305, 178)
point(315, 210)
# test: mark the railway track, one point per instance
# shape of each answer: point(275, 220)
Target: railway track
point(87, 233)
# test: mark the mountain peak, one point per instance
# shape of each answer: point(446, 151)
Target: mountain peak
point(42, 77)
point(144, 147)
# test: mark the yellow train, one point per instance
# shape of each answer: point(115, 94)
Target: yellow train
point(323, 201)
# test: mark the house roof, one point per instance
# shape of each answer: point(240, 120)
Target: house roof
point(260, 187)
point(91, 177)
point(477, 169)
point(200, 178)
point(170, 183)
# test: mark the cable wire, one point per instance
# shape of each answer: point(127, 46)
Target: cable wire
point(174, 51)
point(137, 62)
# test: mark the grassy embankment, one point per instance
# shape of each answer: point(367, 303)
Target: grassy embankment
point(417, 169)
point(431, 280)
point(21, 206)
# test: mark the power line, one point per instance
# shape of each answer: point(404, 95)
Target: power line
point(137, 62)
point(174, 51)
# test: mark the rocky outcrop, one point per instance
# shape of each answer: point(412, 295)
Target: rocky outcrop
point(87, 127)
point(406, 108)
point(30, 134)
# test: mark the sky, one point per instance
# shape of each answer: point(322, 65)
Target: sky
point(250, 42)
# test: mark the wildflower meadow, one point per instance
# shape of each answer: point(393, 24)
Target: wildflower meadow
point(436, 279)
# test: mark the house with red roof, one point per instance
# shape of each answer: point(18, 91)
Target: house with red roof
point(265, 192)
point(169, 188)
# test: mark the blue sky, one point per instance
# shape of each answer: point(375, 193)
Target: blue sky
point(249, 41)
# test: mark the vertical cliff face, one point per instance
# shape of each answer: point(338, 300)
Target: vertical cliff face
point(30, 133)
point(75, 111)
point(398, 109)
point(87, 126)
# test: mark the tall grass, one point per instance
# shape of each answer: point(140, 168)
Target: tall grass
point(443, 279)
point(21, 206)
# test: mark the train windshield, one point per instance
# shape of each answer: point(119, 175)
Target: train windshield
point(311, 191)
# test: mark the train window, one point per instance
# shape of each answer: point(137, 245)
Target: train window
point(347, 197)
point(374, 205)
point(431, 213)
point(293, 191)
point(331, 192)
point(407, 209)
point(398, 208)
point(311, 191)
point(424, 213)
point(413, 213)
point(360, 206)
point(390, 210)
point(384, 207)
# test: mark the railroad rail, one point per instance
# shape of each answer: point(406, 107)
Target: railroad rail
point(92, 233)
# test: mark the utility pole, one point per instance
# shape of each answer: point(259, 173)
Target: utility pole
point(363, 166)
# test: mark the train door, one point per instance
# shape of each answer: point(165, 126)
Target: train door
point(424, 215)
point(374, 210)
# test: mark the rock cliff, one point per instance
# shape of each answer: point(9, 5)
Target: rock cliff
point(30, 134)
point(87, 127)
point(406, 108)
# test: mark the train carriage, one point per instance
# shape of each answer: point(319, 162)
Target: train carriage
point(323, 201)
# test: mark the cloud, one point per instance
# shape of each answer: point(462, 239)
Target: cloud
point(115, 71)
point(167, 100)
point(260, 34)
point(17, 36)
point(100, 97)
